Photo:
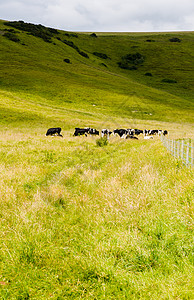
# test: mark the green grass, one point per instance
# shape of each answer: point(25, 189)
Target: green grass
point(38, 69)
point(80, 219)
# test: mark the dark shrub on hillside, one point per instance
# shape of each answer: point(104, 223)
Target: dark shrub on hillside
point(67, 60)
point(83, 54)
point(101, 55)
point(74, 35)
point(130, 61)
point(166, 80)
point(71, 34)
point(126, 66)
point(71, 44)
point(148, 74)
point(135, 58)
point(102, 64)
point(149, 40)
point(11, 30)
point(175, 40)
point(12, 37)
point(41, 31)
point(93, 35)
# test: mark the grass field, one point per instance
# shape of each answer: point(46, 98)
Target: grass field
point(80, 221)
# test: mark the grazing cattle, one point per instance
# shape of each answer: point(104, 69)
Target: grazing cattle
point(120, 132)
point(85, 131)
point(106, 132)
point(130, 131)
point(81, 131)
point(154, 132)
point(150, 132)
point(137, 131)
point(123, 133)
point(54, 131)
point(93, 131)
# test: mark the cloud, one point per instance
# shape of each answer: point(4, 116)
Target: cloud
point(103, 15)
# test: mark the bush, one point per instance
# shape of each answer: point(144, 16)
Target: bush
point(83, 54)
point(104, 65)
point(11, 37)
point(126, 66)
point(93, 35)
point(67, 60)
point(101, 142)
point(175, 40)
point(130, 61)
point(166, 80)
point(148, 74)
point(101, 55)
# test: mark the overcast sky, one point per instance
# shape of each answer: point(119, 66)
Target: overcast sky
point(103, 15)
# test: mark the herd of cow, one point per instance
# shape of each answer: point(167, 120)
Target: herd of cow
point(123, 133)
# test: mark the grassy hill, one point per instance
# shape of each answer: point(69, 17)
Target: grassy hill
point(79, 221)
point(36, 67)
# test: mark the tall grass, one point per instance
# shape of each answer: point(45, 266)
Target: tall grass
point(81, 221)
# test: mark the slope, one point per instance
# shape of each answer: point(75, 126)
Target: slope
point(90, 78)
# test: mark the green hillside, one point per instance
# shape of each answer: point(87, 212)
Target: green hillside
point(82, 217)
point(35, 66)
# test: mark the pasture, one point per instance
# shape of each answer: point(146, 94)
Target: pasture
point(80, 221)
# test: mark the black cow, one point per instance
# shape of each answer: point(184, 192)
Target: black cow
point(81, 131)
point(165, 132)
point(54, 131)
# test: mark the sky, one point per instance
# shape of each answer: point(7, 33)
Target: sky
point(103, 15)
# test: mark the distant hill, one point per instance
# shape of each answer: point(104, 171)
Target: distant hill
point(139, 75)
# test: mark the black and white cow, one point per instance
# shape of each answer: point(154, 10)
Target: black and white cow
point(54, 131)
point(106, 133)
point(85, 131)
point(121, 132)
point(93, 131)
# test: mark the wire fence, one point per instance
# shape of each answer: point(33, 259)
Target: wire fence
point(181, 149)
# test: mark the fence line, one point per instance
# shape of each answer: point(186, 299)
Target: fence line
point(181, 149)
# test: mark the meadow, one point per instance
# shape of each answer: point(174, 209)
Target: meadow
point(79, 221)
